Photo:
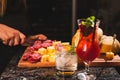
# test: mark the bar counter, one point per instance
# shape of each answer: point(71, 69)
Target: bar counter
point(12, 72)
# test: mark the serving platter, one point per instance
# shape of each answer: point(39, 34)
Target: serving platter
point(41, 54)
point(25, 64)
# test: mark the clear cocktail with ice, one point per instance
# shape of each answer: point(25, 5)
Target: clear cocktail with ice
point(66, 63)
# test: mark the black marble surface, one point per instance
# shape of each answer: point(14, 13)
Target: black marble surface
point(12, 72)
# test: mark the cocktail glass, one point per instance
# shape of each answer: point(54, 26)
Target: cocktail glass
point(66, 64)
point(87, 49)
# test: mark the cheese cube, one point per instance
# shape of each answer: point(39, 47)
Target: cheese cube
point(51, 58)
point(44, 58)
point(55, 43)
point(51, 50)
point(42, 51)
point(66, 45)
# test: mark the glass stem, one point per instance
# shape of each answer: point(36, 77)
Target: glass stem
point(87, 67)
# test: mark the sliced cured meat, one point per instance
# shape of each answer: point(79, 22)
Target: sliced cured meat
point(30, 49)
point(48, 41)
point(45, 44)
point(35, 58)
point(26, 56)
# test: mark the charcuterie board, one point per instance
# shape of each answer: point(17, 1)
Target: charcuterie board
point(28, 64)
point(41, 54)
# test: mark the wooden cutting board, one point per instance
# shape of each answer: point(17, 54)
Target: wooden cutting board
point(25, 64)
point(101, 62)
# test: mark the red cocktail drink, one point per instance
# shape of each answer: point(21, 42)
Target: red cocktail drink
point(87, 48)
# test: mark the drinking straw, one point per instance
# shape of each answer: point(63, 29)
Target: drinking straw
point(94, 30)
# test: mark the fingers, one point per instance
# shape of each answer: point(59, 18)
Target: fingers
point(22, 38)
point(5, 39)
point(11, 42)
point(14, 39)
point(5, 42)
point(42, 37)
point(31, 39)
point(18, 39)
point(11, 36)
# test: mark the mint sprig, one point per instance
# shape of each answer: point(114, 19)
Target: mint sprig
point(72, 50)
point(89, 21)
point(87, 25)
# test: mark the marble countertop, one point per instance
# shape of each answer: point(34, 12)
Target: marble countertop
point(12, 72)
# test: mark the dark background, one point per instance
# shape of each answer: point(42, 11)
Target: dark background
point(54, 17)
point(108, 11)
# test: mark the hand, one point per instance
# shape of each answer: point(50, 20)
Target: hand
point(31, 39)
point(10, 36)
